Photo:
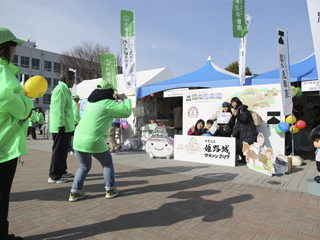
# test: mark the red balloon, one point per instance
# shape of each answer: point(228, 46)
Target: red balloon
point(144, 98)
point(301, 124)
point(153, 94)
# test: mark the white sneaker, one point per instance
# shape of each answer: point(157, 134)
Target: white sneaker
point(61, 180)
point(67, 175)
point(71, 153)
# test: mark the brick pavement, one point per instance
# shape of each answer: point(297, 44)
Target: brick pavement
point(155, 204)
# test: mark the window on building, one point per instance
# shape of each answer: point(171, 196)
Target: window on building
point(46, 98)
point(47, 66)
point(36, 100)
point(35, 63)
point(49, 81)
point(26, 77)
point(15, 60)
point(57, 67)
point(24, 62)
point(55, 82)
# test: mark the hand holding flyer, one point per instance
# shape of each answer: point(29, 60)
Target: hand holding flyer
point(223, 117)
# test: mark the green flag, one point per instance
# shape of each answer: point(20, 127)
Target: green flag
point(127, 23)
point(108, 68)
point(238, 19)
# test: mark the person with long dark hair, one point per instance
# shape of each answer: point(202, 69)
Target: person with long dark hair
point(245, 130)
point(91, 132)
point(197, 129)
point(15, 108)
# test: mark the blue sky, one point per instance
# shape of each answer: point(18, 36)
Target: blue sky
point(176, 34)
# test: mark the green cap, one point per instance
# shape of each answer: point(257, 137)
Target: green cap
point(104, 85)
point(75, 97)
point(6, 35)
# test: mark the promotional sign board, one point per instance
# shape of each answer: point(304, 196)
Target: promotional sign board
point(174, 92)
point(211, 150)
point(206, 103)
point(309, 86)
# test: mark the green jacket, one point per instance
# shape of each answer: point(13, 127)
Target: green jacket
point(40, 118)
point(76, 113)
point(33, 118)
point(14, 106)
point(96, 119)
point(61, 113)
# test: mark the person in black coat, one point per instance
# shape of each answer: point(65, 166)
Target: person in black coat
point(177, 117)
point(245, 130)
point(225, 130)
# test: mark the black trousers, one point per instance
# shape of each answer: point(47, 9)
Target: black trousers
point(7, 172)
point(40, 131)
point(60, 146)
point(33, 133)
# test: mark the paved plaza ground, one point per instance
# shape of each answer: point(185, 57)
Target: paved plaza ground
point(163, 199)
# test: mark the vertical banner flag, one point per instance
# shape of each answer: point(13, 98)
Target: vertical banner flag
point(242, 53)
point(284, 71)
point(108, 68)
point(314, 16)
point(238, 19)
point(128, 49)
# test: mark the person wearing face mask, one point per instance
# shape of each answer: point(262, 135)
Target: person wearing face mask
point(15, 109)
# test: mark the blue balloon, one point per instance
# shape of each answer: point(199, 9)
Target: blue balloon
point(284, 127)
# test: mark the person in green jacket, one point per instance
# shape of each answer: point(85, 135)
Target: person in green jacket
point(76, 115)
point(90, 137)
point(61, 126)
point(33, 125)
point(15, 108)
point(40, 119)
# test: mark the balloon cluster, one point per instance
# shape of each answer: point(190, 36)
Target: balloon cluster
point(296, 91)
point(285, 126)
point(124, 124)
point(152, 95)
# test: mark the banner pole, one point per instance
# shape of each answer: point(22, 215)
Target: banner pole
point(292, 139)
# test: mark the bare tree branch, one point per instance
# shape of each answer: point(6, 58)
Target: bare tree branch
point(86, 59)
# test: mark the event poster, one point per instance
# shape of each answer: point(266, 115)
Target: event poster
point(206, 103)
point(210, 150)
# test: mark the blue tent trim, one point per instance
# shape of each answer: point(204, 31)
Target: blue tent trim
point(305, 70)
point(207, 77)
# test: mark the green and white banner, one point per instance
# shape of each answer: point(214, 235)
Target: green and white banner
point(108, 68)
point(314, 16)
point(238, 19)
point(127, 23)
point(284, 71)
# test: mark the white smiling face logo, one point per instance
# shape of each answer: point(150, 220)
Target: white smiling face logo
point(158, 145)
point(107, 62)
point(126, 18)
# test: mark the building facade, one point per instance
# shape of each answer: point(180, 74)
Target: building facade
point(32, 62)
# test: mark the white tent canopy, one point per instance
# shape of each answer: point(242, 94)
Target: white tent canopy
point(147, 77)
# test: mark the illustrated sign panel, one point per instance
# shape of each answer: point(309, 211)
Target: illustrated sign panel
point(211, 150)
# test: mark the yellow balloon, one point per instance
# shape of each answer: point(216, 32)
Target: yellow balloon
point(35, 87)
point(294, 89)
point(288, 119)
point(295, 129)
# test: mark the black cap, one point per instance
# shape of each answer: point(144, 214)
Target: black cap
point(315, 133)
point(226, 104)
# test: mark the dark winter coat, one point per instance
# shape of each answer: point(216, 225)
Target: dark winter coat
point(247, 130)
point(225, 130)
point(177, 117)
